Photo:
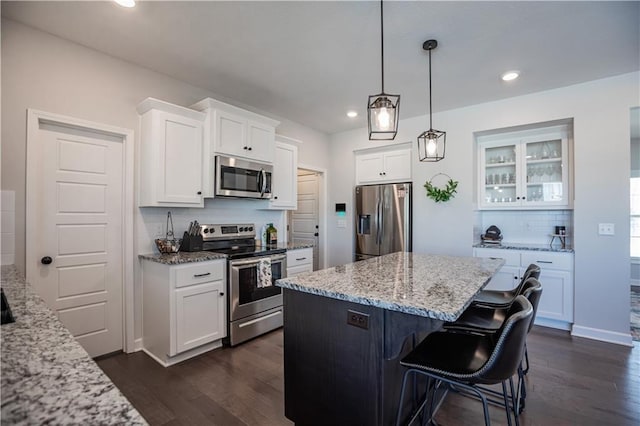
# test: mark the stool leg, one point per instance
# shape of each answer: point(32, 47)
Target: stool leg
point(514, 402)
point(507, 406)
point(526, 359)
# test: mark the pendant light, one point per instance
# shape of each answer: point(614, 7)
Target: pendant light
point(431, 143)
point(383, 109)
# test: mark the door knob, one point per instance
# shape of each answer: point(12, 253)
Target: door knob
point(46, 260)
point(315, 235)
point(221, 294)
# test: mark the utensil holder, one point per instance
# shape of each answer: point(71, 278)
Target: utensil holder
point(191, 242)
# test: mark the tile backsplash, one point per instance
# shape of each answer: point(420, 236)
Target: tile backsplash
point(8, 233)
point(526, 227)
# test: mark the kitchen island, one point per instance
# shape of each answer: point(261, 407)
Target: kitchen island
point(347, 327)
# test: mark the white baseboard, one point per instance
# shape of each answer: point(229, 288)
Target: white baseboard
point(169, 361)
point(602, 335)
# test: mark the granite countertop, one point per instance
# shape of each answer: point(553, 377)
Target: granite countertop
point(203, 256)
point(297, 246)
point(47, 377)
point(520, 246)
point(182, 257)
point(434, 286)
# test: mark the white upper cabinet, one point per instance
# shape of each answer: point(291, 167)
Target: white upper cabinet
point(237, 132)
point(171, 160)
point(383, 166)
point(284, 184)
point(529, 169)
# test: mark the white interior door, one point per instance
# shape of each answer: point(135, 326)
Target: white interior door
point(305, 220)
point(75, 218)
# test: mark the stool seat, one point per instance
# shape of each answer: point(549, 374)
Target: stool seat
point(503, 299)
point(453, 355)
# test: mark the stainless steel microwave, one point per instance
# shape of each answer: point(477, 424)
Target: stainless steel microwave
point(235, 177)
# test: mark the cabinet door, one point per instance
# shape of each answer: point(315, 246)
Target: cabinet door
point(507, 278)
point(199, 315)
point(230, 134)
point(261, 140)
point(369, 168)
point(545, 168)
point(397, 165)
point(557, 295)
point(180, 156)
point(498, 176)
point(300, 269)
point(285, 177)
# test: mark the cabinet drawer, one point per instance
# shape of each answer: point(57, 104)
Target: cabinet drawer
point(511, 257)
point(197, 273)
point(548, 260)
point(299, 257)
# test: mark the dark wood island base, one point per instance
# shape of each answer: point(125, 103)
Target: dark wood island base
point(336, 373)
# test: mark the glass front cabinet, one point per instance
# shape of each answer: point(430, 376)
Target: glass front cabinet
point(524, 170)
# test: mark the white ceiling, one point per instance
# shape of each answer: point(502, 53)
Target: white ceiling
point(312, 61)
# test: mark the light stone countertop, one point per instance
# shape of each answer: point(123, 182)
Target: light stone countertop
point(531, 247)
point(47, 377)
point(433, 286)
point(182, 257)
point(203, 256)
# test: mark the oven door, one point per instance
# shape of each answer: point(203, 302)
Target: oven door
point(241, 178)
point(245, 297)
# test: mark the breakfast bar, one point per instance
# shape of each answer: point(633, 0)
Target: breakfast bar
point(347, 327)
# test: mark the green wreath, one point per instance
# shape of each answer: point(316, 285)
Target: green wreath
point(441, 195)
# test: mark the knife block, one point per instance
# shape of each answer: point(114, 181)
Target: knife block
point(191, 242)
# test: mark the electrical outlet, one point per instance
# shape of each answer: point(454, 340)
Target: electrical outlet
point(358, 319)
point(606, 229)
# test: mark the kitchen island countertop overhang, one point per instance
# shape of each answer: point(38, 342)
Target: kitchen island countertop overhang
point(434, 286)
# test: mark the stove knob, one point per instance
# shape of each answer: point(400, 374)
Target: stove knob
point(212, 230)
point(251, 228)
point(206, 230)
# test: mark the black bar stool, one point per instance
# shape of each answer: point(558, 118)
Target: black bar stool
point(463, 361)
point(483, 320)
point(502, 299)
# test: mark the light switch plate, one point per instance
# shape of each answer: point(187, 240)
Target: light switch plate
point(606, 229)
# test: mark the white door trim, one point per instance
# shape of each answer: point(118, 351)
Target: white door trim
point(322, 210)
point(34, 118)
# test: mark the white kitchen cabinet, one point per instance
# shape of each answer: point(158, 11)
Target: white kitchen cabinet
point(556, 276)
point(529, 169)
point(171, 158)
point(184, 309)
point(299, 261)
point(383, 166)
point(236, 132)
point(284, 180)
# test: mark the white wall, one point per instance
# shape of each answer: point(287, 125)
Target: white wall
point(600, 110)
point(48, 73)
point(7, 228)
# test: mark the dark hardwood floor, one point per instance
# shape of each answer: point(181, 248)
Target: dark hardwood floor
point(572, 381)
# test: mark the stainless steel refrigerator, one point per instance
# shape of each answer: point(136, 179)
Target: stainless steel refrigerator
point(383, 219)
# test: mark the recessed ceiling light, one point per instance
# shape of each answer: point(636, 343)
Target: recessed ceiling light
point(510, 75)
point(126, 3)
point(352, 114)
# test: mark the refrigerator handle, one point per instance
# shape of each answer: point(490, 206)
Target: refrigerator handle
point(379, 221)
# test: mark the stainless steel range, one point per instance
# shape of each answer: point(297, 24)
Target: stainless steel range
point(255, 305)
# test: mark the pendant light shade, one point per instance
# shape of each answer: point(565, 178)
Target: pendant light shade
point(432, 142)
point(383, 108)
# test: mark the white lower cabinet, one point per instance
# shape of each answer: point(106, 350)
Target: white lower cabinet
point(299, 261)
point(184, 309)
point(556, 276)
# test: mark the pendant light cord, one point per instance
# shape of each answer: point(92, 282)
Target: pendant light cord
point(382, 43)
point(430, 107)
